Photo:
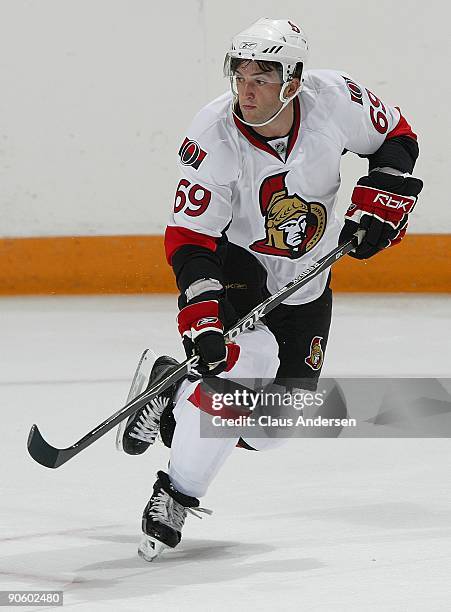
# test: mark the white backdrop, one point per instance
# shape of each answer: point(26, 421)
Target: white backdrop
point(95, 96)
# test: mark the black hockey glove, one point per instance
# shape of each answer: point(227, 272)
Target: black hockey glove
point(201, 327)
point(381, 204)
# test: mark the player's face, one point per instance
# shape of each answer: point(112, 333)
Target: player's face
point(258, 92)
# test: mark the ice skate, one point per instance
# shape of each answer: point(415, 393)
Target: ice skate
point(139, 382)
point(142, 427)
point(164, 517)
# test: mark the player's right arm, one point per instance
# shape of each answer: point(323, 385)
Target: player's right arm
point(383, 199)
point(202, 211)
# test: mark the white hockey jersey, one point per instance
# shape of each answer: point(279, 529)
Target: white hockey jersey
point(278, 201)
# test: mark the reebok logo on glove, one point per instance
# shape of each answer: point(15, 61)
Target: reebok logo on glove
point(206, 320)
point(387, 199)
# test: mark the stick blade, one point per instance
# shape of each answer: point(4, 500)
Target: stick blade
point(42, 451)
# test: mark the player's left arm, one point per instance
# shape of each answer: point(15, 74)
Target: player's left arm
point(382, 200)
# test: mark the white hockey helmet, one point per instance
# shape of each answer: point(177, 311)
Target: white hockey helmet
point(270, 40)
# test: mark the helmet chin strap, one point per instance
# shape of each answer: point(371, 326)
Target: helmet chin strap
point(285, 102)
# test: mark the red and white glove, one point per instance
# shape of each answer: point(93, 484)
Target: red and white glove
point(381, 204)
point(202, 332)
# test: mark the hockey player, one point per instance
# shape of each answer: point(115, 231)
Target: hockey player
point(255, 205)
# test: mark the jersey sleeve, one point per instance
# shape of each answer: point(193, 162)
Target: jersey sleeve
point(365, 120)
point(208, 168)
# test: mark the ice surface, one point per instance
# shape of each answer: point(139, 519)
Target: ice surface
point(317, 525)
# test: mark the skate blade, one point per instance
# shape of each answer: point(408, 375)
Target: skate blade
point(150, 549)
point(140, 380)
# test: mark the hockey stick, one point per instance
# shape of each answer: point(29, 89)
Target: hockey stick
point(52, 457)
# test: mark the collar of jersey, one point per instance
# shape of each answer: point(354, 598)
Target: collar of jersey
point(262, 143)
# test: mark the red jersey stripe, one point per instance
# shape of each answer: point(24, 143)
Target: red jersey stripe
point(175, 237)
point(402, 129)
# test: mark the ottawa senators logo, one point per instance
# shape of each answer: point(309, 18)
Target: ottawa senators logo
point(293, 226)
point(354, 91)
point(316, 357)
point(191, 153)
